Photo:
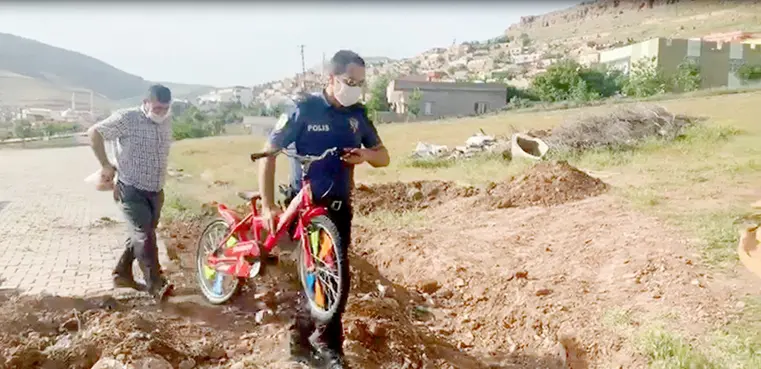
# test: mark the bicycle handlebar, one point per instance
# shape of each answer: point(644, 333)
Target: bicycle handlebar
point(301, 158)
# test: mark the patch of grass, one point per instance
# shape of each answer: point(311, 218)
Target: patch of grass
point(668, 350)
point(738, 346)
point(388, 219)
point(720, 237)
point(618, 319)
point(427, 163)
point(643, 197)
point(178, 206)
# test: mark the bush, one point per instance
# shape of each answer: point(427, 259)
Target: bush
point(520, 93)
point(193, 123)
point(53, 128)
point(749, 73)
point(568, 80)
point(687, 77)
point(647, 79)
point(24, 129)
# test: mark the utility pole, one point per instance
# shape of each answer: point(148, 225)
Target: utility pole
point(303, 69)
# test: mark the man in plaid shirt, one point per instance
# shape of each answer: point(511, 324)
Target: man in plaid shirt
point(144, 134)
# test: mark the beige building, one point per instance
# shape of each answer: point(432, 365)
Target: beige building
point(718, 61)
point(447, 99)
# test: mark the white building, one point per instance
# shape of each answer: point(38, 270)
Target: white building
point(244, 95)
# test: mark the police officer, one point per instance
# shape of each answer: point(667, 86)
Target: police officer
point(331, 118)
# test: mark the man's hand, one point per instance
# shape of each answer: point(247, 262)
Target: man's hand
point(107, 173)
point(270, 214)
point(355, 156)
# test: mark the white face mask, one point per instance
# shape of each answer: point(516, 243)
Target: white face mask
point(345, 94)
point(155, 117)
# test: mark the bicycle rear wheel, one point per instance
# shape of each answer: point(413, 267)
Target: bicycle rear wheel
point(216, 287)
point(326, 283)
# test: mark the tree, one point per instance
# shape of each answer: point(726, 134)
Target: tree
point(687, 77)
point(525, 40)
point(568, 80)
point(378, 100)
point(195, 124)
point(413, 102)
point(646, 79)
point(23, 129)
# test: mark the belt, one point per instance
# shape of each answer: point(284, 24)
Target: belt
point(334, 204)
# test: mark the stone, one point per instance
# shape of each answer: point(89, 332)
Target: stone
point(188, 363)
point(150, 362)
point(108, 363)
point(429, 286)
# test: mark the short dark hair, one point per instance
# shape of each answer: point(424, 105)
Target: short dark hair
point(160, 93)
point(341, 60)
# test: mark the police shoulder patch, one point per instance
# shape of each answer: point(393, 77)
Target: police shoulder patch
point(281, 122)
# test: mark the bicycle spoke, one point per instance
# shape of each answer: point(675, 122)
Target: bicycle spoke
point(328, 287)
point(327, 271)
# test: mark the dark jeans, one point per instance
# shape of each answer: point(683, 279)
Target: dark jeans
point(304, 327)
point(142, 210)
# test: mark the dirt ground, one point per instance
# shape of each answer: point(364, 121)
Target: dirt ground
point(520, 275)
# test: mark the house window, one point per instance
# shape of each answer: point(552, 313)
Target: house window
point(428, 108)
point(480, 107)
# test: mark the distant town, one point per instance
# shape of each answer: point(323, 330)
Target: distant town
point(470, 78)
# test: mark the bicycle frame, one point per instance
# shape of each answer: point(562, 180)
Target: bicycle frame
point(248, 232)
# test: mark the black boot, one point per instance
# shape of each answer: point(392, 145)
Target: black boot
point(122, 274)
point(302, 351)
point(336, 361)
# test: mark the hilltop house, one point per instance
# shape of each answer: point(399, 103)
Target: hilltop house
point(718, 61)
point(241, 94)
point(447, 99)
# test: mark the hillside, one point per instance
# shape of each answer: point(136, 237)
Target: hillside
point(574, 32)
point(36, 73)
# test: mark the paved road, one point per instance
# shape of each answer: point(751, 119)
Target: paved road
point(52, 237)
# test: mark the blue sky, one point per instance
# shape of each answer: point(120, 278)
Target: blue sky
point(239, 43)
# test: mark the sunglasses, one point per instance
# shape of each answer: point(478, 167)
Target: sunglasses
point(351, 82)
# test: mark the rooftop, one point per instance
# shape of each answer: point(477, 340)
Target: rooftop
point(404, 85)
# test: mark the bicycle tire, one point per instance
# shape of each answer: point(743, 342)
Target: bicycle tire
point(200, 261)
point(342, 260)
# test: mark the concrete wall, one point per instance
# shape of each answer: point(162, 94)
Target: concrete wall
point(718, 61)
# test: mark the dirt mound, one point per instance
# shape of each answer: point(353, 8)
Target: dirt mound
point(546, 184)
point(58, 332)
point(405, 196)
point(623, 127)
point(537, 288)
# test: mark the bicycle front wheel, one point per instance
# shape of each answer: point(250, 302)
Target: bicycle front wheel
point(326, 282)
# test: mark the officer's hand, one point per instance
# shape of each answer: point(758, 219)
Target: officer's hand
point(355, 156)
point(270, 215)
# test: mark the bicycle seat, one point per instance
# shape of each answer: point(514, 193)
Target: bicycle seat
point(249, 195)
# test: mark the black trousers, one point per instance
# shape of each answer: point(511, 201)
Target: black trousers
point(304, 329)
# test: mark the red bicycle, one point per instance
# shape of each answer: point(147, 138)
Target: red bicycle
point(232, 248)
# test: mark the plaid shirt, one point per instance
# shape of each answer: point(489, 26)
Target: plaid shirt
point(144, 154)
